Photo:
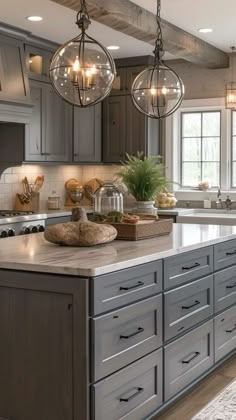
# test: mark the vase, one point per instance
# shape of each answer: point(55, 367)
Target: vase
point(146, 207)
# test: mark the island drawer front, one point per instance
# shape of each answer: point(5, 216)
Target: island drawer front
point(225, 333)
point(187, 306)
point(188, 266)
point(225, 288)
point(121, 288)
point(224, 254)
point(131, 394)
point(187, 358)
point(123, 336)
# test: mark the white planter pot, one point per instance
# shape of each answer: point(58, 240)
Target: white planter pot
point(146, 207)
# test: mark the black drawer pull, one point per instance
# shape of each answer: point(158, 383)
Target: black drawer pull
point(197, 302)
point(196, 354)
point(140, 330)
point(192, 266)
point(140, 283)
point(230, 331)
point(231, 253)
point(132, 396)
point(231, 287)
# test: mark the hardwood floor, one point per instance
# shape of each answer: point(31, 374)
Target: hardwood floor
point(202, 393)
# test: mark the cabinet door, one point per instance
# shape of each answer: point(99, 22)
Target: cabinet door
point(35, 131)
point(119, 85)
point(14, 84)
point(136, 129)
point(35, 355)
point(87, 134)
point(114, 129)
point(131, 74)
point(58, 127)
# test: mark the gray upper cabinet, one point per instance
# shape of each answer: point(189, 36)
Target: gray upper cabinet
point(49, 135)
point(126, 130)
point(38, 62)
point(14, 85)
point(87, 134)
point(124, 79)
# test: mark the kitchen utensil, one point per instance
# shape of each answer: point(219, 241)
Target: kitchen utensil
point(90, 187)
point(76, 195)
point(38, 183)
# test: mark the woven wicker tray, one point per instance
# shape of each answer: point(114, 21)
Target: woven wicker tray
point(144, 229)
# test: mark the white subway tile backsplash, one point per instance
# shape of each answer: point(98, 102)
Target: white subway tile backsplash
point(55, 178)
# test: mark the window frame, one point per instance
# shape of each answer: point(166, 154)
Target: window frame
point(182, 113)
point(172, 147)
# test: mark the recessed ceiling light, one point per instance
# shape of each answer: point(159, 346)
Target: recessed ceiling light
point(113, 47)
point(34, 18)
point(205, 30)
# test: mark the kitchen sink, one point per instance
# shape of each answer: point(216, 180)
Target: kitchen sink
point(208, 216)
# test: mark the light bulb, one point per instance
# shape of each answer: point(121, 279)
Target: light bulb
point(164, 90)
point(153, 91)
point(76, 65)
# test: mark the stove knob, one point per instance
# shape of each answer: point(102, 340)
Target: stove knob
point(3, 234)
point(34, 229)
point(41, 228)
point(11, 232)
point(25, 230)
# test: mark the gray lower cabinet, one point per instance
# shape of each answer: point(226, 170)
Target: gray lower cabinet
point(87, 134)
point(125, 335)
point(14, 85)
point(225, 333)
point(224, 254)
point(187, 358)
point(131, 394)
point(124, 287)
point(49, 135)
point(187, 306)
point(225, 288)
point(187, 267)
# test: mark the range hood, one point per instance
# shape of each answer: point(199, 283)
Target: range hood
point(14, 121)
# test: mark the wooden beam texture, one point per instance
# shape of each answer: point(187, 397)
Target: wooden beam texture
point(133, 20)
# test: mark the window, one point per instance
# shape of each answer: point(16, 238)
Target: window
point(233, 180)
point(200, 148)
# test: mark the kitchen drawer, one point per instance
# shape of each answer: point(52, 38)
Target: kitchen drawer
point(131, 394)
point(123, 336)
point(225, 333)
point(188, 266)
point(121, 288)
point(187, 358)
point(225, 288)
point(187, 306)
point(224, 254)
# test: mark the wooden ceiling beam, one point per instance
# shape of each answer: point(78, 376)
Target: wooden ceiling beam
point(127, 17)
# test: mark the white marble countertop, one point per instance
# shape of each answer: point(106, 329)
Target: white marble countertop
point(33, 253)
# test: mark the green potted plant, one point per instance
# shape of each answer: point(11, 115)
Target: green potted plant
point(144, 177)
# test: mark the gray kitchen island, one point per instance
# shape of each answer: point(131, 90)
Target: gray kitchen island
point(117, 331)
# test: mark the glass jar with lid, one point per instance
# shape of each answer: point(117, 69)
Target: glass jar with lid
point(108, 198)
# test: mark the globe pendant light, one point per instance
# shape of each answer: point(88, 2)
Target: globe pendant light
point(230, 94)
point(157, 92)
point(82, 70)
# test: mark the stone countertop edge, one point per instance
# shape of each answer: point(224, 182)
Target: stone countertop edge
point(33, 253)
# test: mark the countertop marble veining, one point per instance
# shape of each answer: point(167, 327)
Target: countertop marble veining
point(33, 253)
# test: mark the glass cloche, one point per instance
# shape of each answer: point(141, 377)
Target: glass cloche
point(108, 198)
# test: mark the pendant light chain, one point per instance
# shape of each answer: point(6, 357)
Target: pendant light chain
point(158, 52)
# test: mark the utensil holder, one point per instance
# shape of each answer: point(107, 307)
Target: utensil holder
point(33, 205)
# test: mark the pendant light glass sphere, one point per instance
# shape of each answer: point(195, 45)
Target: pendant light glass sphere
point(157, 91)
point(230, 96)
point(82, 71)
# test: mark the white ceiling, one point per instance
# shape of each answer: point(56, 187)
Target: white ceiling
point(58, 23)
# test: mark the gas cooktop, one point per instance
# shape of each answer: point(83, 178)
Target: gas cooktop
point(12, 213)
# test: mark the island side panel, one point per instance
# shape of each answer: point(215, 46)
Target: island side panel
point(44, 366)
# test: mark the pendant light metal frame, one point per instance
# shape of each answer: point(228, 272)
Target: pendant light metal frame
point(83, 22)
point(230, 89)
point(158, 66)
